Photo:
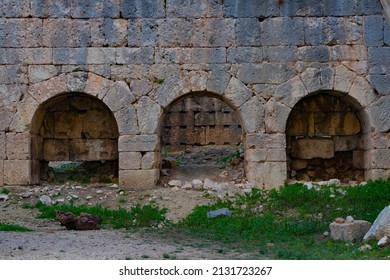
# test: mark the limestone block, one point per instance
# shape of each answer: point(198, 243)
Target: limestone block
point(349, 232)
point(245, 55)
point(18, 145)
point(252, 115)
point(318, 79)
point(36, 147)
point(97, 85)
point(172, 88)
point(142, 32)
point(237, 93)
point(149, 160)
point(275, 155)
point(24, 114)
point(344, 79)
point(44, 9)
point(1, 172)
point(218, 81)
point(372, 34)
point(188, 9)
point(298, 164)
point(375, 174)
point(290, 92)
point(93, 149)
point(381, 226)
point(142, 9)
point(255, 155)
point(94, 8)
point(149, 113)
point(46, 89)
point(171, 36)
point(70, 56)
point(265, 73)
point(39, 73)
point(26, 32)
point(362, 91)
point(101, 55)
point(127, 121)
point(135, 55)
point(276, 115)
point(174, 55)
point(130, 160)
point(204, 35)
point(198, 80)
point(3, 154)
point(336, 123)
point(280, 53)
point(17, 172)
point(298, 123)
point(313, 53)
point(13, 74)
point(348, 53)
point(310, 148)
point(380, 158)
point(248, 32)
point(380, 114)
point(266, 174)
point(251, 8)
point(118, 96)
point(306, 8)
point(66, 33)
point(208, 55)
point(68, 124)
point(380, 83)
point(282, 31)
point(347, 143)
point(138, 143)
point(76, 81)
point(16, 8)
point(56, 149)
point(379, 140)
point(108, 32)
point(139, 179)
point(265, 141)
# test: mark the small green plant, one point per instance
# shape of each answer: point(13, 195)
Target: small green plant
point(159, 81)
point(122, 200)
point(168, 256)
point(4, 191)
point(11, 227)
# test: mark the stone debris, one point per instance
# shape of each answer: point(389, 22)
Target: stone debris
point(175, 183)
point(350, 232)
point(45, 199)
point(220, 212)
point(365, 247)
point(349, 219)
point(26, 194)
point(380, 227)
point(3, 197)
point(196, 183)
point(208, 184)
point(384, 241)
point(187, 186)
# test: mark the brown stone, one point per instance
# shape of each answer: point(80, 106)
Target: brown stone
point(99, 124)
point(68, 124)
point(93, 149)
point(17, 172)
point(130, 160)
point(298, 164)
point(339, 220)
point(310, 148)
point(56, 150)
point(139, 179)
point(18, 145)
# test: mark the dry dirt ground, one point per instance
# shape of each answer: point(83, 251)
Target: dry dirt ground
point(51, 241)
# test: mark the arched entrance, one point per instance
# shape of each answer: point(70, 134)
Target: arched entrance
point(325, 139)
point(202, 136)
point(79, 129)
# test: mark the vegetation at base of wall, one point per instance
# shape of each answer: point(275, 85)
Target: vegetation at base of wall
point(137, 216)
point(10, 227)
point(288, 223)
point(4, 191)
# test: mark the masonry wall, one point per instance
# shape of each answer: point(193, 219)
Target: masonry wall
point(140, 57)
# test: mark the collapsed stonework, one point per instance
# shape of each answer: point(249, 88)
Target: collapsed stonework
point(271, 63)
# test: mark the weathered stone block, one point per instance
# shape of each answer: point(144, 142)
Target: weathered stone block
point(349, 232)
point(127, 121)
point(71, 33)
point(17, 172)
point(282, 31)
point(149, 160)
point(13, 74)
point(306, 8)
point(273, 73)
point(149, 114)
point(339, 8)
point(130, 160)
point(252, 113)
point(316, 79)
point(16, 8)
point(1, 172)
point(142, 9)
point(142, 32)
point(38, 73)
point(313, 148)
point(171, 36)
point(135, 55)
point(380, 114)
point(373, 35)
point(191, 8)
point(93, 149)
point(204, 34)
point(3, 154)
point(276, 115)
point(358, 159)
point(99, 124)
point(56, 149)
point(248, 32)
point(237, 93)
point(265, 141)
point(208, 55)
point(313, 53)
point(347, 143)
point(68, 124)
point(348, 52)
point(101, 55)
point(245, 55)
point(380, 83)
point(94, 8)
point(255, 155)
point(290, 92)
point(45, 8)
point(266, 175)
point(118, 96)
point(250, 8)
point(276, 155)
point(381, 226)
point(75, 56)
point(378, 140)
point(18, 146)
point(280, 53)
point(298, 164)
point(138, 143)
point(26, 32)
point(139, 179)
point(380, 158)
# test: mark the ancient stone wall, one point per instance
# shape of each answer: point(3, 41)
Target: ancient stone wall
point(199, 121)
point(139, 58)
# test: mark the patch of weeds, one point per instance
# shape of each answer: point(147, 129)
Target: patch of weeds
point(159, 81)
point(168, 256)
point(11, 227)
point(122, 200)
point(4, 191)
point(127, 258)
point(144, 257)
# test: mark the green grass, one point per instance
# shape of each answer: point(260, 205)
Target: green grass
point(293, 219)
point(137, 216)
point(4, 191)
point(10, 227)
